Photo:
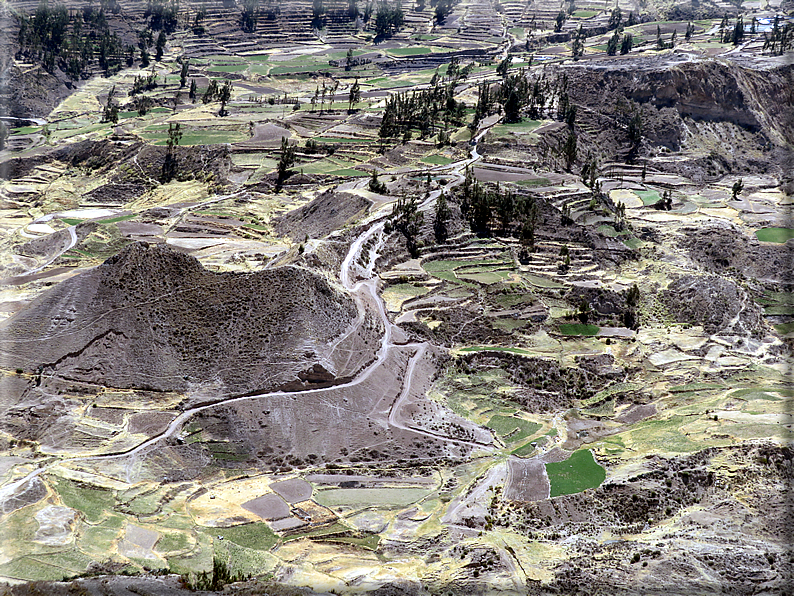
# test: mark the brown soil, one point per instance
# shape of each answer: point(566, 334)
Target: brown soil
point(153, 318)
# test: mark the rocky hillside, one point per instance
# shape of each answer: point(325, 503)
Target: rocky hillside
point(154, 318)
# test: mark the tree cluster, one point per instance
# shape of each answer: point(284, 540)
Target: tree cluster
point(141, 83)
point(424, 110)
point(780, 39)
point(285, 162)
point(442, 9)
point(491, 209)
point(407, 219)
point(71, 41)
point(162, 15)
point(388, 19)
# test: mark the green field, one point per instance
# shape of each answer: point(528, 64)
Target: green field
point(229, 68)
point(94, 502)
point(511, 429)
point(648, 197)
point(577, 473)
point(523, 126)
point(363, 497)
point(348, 172)
point(257, 536)
point(416, 51)
point(778, 235)
point(784, 328)
point(439, 160)
point(578, 329)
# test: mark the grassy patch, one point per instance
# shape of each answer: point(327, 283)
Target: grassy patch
point(778, 235)
point(694, 387)
point(71, 221)
point(534, 182)
point(348, 172)
point(577, 473)
point(584, 14)
point(25, 130)
point(648, 197)
point(415, 51)
point(509, 324)
point(486, 277)
point(257, 536)
point(511, 429)
point(523, 126)
point(172, 541)
point(578, 329)
point(439, 160)
point(363, 497)
point(228, 68)
point(784, 328)
point(92, 501)
point(633, 243)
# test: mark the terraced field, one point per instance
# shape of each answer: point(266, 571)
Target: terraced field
point(466, 306)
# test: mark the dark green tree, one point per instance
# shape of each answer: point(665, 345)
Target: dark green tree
point(224, 95)
point(504, 66)
point(560, 21)
point(111, 110)
point(626, 44)
point(249, 16)
point(285, 162)
point(388, 19)
point(737, 188)
point(577, 46)
point(354, 96)
point(183, 74)
point(612, 44)
point(407, 219)
point(159, 46)
point(170, 163)
point(442, 215)
point(569, 150)
point(615, 19)
point(376, 185)
point(192, 93)
point(211, 93)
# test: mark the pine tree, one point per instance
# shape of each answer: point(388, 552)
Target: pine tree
point(183, 74)
point(354, 96)
point(442, 215)
point(160, 46)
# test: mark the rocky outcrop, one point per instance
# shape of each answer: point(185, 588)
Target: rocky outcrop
point(716, 303)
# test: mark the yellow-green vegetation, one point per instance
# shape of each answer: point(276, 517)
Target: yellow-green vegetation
point(439, 160)
point(94, 502)
point(257, 536)
point(513, 429)
point(778, 235)
point(579, 472)
point(387, 498)
point(578, 329)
